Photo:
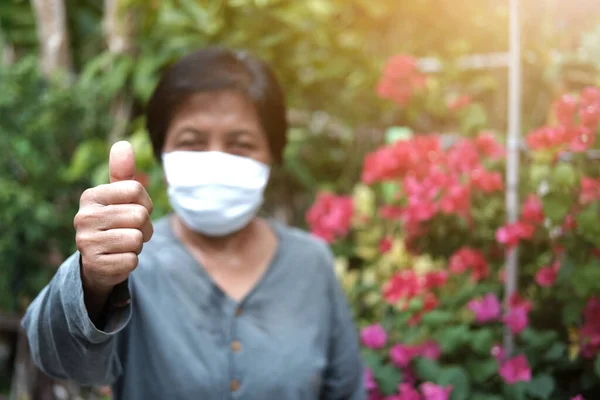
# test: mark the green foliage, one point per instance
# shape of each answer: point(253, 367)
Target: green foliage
point(41, 123)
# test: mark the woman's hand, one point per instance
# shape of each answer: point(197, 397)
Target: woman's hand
point(112, 225)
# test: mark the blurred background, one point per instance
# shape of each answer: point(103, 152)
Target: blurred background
point(75, 76)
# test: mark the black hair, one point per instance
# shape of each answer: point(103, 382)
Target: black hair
point(218, 69)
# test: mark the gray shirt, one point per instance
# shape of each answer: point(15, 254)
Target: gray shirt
point(181, 337)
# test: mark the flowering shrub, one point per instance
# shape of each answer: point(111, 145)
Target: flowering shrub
point(420, 247)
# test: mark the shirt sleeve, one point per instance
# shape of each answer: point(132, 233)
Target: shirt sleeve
point(64, 342)
point(344, 377)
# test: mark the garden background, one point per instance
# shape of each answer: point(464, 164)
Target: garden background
point(397, 157)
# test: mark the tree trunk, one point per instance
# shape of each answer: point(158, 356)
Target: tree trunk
point(51, 23)
point(118, 32)
point(25, 373)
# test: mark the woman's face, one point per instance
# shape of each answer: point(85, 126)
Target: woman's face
point(221, 121)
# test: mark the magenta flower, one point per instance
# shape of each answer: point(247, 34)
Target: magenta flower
point(402, 355)
point(431, 391)
point(407, 392)
point(369, 379)
point(373, 336)
point(546, 276)
point(430, 349)
point(515, 370)
point(578, 397)
point(486, 309)
point(516, 319)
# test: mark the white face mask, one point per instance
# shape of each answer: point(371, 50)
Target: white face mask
point(214, 193)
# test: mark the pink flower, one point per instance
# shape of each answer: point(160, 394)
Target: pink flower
point(330, 216)
point(486, 309)
point(402, 355)
point(532, 211)
point(590, 331)
point(373, 336)
point(515, 370)
point(430, 349)
point(385, 245)
point(578, 397)
point(467, 258)
point(369, 380)
point(546, 276)
point(487, 144)
point(510, 234)
point(431, 391)
point(407, 392)
point(516, 319)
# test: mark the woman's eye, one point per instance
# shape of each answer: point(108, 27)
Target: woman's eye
point(244, 145)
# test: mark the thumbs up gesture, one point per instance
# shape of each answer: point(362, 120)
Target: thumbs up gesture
point(112, 225)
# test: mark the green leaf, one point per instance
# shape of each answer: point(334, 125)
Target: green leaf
point(597, 366)
point(571, 313)
point(388, 379)
point(555, 207)
point(436, 318)
point(564, 175)
point(514, 392)
point(485, 396)
point(566, 269)
point(453, 337)
point(482, 341)
point(587, 223)
point(556, 351)
point(389, 191)
point(458, 378)
point(481, 370)
point(541, 386)
point(427, 369)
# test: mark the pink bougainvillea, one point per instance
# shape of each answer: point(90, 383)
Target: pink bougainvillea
point(515, 370)
point(330, 216)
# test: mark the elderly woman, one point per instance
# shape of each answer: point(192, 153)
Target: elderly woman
point(220, 304)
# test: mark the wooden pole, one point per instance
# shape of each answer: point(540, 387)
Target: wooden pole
point(512, 162)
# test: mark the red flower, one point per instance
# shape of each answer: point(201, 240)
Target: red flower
point(385, 245)
point(590, 190)
point(456, 200)
point(463, 157)
point(510, 234)
point(532, 211)
point(546, 276)
point(435, 279)
point(487, 181)
point(490, 147)
point(565, 109)
point(468, 258)
point(403, 285)
point(547, 138)
point(400, 79)
point(589, 115)
point(581, 139)
point(330, 216)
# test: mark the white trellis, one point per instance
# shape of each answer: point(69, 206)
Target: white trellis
point(512, 161)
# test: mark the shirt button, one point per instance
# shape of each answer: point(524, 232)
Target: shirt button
point(238, 311)
point(236, 346)
point(234, 385)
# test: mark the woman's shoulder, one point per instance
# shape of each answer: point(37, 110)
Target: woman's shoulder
point(304, 247)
